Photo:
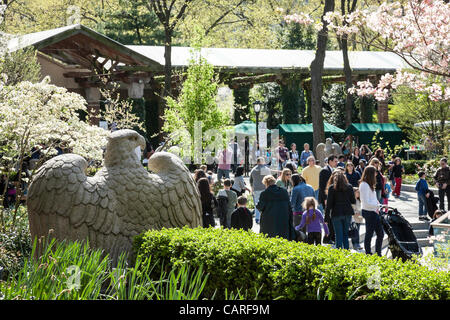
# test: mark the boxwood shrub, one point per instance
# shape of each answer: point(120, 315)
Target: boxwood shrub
point(274, 268)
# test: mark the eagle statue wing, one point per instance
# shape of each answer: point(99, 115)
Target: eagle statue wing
point(63, 199)
point(336, 149)
point(176, 196)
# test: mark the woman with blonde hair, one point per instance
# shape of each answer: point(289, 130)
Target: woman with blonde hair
point(276, 211)
point(313, 220)
point(284, 181)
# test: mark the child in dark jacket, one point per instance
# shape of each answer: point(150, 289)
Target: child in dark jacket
point(313, 219)
point(241, 218)
point(422, 188)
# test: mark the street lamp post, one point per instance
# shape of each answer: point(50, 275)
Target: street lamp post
point(257, 108)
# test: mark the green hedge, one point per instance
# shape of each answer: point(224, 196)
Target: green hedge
point(411, 165)
point(246, 261)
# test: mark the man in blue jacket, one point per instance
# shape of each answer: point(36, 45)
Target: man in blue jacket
point(422, 188)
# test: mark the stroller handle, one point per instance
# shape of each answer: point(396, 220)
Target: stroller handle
point(390, 209)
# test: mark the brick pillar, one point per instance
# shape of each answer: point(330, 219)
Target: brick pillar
point(383, 116)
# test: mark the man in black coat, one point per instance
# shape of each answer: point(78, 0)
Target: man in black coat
point(324, 175)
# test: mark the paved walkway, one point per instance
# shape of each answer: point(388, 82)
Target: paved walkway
point(407, 204)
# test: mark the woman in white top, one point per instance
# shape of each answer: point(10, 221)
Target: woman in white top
point(370, 207)
point(239, 184)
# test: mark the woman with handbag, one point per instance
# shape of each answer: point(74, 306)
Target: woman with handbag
point(355, 225)
point(339, 207)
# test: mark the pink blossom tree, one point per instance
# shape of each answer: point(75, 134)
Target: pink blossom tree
point(418, 31)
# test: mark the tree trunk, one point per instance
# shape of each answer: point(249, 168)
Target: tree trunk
point(316, 80)
point(348, 82)
point(168, 64)
point(307, 91)
point(366, 110)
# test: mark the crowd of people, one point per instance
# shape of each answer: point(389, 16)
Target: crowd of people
point(302, 200)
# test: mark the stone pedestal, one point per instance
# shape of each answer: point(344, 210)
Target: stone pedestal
point(92, 96)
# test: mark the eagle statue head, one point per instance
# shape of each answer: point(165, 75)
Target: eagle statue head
point(120, 148)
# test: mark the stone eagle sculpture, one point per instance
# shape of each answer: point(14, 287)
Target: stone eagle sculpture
point(323, 150)
point(122, 200)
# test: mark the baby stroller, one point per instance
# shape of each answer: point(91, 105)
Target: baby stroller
point(402, 240)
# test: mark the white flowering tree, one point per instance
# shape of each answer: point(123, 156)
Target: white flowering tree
point(117, 111)
point(33, 114)
point(38, 114)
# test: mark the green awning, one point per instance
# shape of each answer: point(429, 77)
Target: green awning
point(307, 128)
point(388, 132)
point(372, 127)
point(303, 133)
point(247, 128)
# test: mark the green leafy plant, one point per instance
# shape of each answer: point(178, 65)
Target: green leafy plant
point(15, 242)
point(73, 271)
point(389, 151)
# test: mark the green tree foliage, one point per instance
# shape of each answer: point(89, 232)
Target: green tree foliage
point(269, 94)
point(296, 36)
point(366, 106)
point(291, 100)
point(243, 23)
point(410, 108)
point(27, 16)
point(130, 22)
point(291, 92)
point(21, 65)
point(242, 108)
point(334, 106)
point(197, 101)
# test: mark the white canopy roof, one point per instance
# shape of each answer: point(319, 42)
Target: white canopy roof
point(277, 59)
point(231, 59)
